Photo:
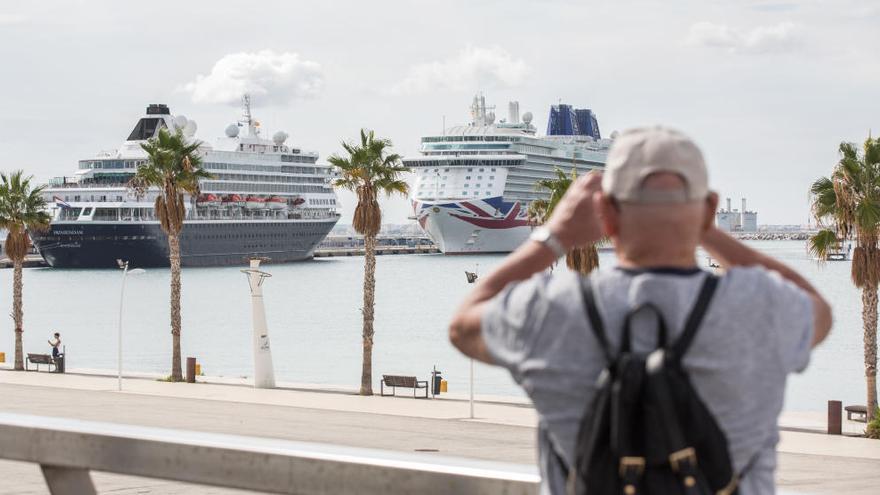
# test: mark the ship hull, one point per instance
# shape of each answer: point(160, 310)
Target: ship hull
point(205, 243)
point(474, 226)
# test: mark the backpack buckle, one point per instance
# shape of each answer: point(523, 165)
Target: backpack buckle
point(686, 454)
point(632, 462)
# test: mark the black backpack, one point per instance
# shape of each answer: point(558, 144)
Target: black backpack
point(649, 432)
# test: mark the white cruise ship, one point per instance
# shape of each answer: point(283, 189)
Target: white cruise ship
point(474, 183)
point(265, 198)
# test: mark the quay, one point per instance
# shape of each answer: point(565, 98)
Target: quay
point(504, 431)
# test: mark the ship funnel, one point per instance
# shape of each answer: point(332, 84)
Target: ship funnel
point(728, 205)
point(513, 112)
point(744, 205)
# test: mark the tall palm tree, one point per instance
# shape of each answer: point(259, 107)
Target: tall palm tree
point(369, 169)
point(22, 208)
point(847, 205)
point(174, 167)
point(582, 259)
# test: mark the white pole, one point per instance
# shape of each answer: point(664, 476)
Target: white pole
point(119, 330)
point(264, 373)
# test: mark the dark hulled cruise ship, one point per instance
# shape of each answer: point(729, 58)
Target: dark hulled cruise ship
point(264, 198)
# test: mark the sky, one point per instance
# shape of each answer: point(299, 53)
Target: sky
point(768, 89)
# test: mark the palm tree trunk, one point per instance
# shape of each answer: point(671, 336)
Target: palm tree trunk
point(174, 258)
point(17, 314)
point(869, 320)
point(369, 302)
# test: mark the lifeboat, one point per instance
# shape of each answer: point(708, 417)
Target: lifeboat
point(255, 203)
point(233, 200)
point(206, 200)
point(276, 203)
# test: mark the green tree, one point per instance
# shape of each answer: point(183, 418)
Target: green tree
point(846, 205)
point(174, 166)
point(582, 259)
point(368, 169)
point(22, 208)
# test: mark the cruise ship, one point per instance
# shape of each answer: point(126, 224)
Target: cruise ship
point(265, 198)
point(474, 183)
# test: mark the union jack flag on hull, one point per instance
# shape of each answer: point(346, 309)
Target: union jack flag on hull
point(485, 213)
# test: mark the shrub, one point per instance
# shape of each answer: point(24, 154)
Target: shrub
point(873, 429)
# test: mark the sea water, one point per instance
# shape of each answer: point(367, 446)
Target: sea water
point(314, 319)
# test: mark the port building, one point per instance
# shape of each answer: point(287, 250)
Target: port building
point(732, 220)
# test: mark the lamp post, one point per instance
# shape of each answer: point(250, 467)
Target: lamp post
point(125, 273)
point(264, 372)
point(472, 278)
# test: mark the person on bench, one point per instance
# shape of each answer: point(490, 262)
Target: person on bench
point(55, 342)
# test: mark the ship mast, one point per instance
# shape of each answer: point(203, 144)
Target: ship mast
point(252, 125)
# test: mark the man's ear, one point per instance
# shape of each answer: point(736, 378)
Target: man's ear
point(711, 209)
point(609, 216)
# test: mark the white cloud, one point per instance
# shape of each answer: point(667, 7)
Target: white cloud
point(272, 78)
point(762, 39)
point(472, 68)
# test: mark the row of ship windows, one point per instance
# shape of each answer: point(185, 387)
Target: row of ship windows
point(437, 170)
point(104, 164)
point(247, 187)
point(289, 169)
point(192, 236)
point(459, 162)
point(442, 186)
point(286, 179)
point(438, 139)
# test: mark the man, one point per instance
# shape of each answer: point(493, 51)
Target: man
point(55, 342)
point(654, 203)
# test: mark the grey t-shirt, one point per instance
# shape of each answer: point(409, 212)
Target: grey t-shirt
point(757, 329)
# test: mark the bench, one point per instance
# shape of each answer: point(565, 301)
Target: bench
point(395, 381)
point(39, 359)
point(860, 411)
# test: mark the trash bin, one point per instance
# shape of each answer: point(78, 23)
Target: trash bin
point(59, 364)
point(436, 385)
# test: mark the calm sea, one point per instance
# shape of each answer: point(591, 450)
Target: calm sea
point(313, 311)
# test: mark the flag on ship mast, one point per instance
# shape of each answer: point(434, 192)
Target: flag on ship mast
point(60, 202)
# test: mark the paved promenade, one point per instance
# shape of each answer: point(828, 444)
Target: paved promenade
point(503, 430)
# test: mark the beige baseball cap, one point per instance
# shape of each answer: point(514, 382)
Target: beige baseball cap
point(638, 153)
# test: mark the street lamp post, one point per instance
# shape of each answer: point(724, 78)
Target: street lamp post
point(125, 273)
point(472, 278)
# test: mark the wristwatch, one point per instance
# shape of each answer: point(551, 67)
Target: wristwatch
point(547, 238)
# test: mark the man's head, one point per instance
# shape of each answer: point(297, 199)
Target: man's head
point(57, 335)
point(656, 202)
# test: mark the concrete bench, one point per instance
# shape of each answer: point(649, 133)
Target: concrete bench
point(860, 411)
point(395, 381)
point(38, 359)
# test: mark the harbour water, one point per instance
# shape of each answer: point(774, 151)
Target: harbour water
point(314, 320)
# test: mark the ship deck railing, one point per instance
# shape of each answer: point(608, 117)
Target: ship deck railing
point(67, 450)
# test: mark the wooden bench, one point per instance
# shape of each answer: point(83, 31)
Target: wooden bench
point(39, 359)
point(860, 411)
point(395, 381)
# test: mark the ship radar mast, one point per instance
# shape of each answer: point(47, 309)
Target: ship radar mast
point(482, 115)
point(252, 125)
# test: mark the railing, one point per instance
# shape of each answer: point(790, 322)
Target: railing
point(67, 450)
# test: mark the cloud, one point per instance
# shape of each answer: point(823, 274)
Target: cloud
point(272, 78)
point(472, 68)
point(781, 37)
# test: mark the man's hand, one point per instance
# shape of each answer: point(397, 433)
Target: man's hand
point(575, 221)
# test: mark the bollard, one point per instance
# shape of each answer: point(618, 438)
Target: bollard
point(835, 417)
point(190, 370)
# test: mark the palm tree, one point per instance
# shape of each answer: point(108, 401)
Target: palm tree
point(847, 205)
point(22, 208)
point(174, 167)
point(369, 168)
point(582, 259)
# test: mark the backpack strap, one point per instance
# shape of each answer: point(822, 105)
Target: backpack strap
point(595, 320)
point(681, 346)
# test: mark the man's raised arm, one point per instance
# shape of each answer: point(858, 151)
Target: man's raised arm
point(731, 252)
point(574, 223)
